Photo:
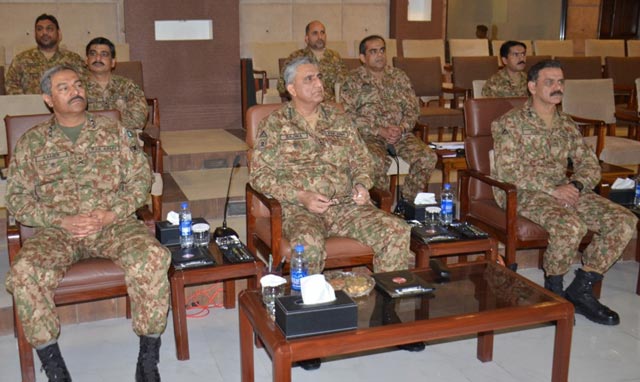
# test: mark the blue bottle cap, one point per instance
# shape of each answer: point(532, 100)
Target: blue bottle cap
point(184, 205)
point(299, 248)
point(447, 186)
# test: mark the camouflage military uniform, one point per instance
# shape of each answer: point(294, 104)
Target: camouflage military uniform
point(331, 159)
point(391, 102)
point(534, 158)
point(331, 66)
point(502, 85)
point(50, 178)
point(120, 94)
point(23, 75)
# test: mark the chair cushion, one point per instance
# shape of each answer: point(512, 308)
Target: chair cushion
point(618, 150)
point(91, 275)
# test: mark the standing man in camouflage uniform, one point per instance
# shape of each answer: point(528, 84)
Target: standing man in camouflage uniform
point(23, 75)
point(511, 80)
point(310, 158)
point(109, 91)
point(385, 109)
point(329, 61)
point(532, 147)
point(78, 178)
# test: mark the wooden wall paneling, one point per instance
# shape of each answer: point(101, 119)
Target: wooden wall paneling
point(196, 82)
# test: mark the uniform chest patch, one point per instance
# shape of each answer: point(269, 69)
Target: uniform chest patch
point(294, 137)
point(335, 134)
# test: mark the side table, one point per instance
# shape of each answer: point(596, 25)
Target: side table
point(222, 271)
point(425, 251)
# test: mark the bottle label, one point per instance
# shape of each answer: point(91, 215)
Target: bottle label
point(185, 228)
point(296, 275)
point(447, 207)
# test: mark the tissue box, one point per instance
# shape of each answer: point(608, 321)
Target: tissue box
point(169, 234)
point(298, 320)
point(416, 211)
point(624, 197)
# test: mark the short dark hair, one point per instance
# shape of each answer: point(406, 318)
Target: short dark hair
point(532, 76)
point(51, 18)
point(504, 49)
point(45, 81)
point(363, 43)
point(102, 41)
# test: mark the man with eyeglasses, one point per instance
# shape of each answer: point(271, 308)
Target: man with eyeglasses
point(385, 109)
point(106, 90)
point(23, 75)
point(329, 61)
point(511, 80)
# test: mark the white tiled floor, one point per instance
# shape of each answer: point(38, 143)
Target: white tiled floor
point(107, 350)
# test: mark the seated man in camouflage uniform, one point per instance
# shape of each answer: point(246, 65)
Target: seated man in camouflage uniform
point(385, 109)
point(310, 158)
point(109, 91)
point(329, 61)
point(511, 80)
point(78, 178)
point(533, 145)
point(23, 75)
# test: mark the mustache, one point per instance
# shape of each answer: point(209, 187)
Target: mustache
point(557, 92)
point(97, 63)
point(75, 98)
point(522, 63)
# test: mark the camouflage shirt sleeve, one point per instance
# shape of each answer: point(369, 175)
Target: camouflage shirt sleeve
point(136, 176)
point(264, 174)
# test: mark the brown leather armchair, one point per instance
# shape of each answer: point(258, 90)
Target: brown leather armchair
point(88, 280)
point(264, 216)
point(133, 71)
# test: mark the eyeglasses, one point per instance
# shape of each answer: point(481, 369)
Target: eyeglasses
point(103, 54)
point(518, 54)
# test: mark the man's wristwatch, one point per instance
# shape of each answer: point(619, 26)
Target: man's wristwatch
point(577, 184)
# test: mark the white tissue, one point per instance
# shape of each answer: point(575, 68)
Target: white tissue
point(173, 217)
point(272, 280)
point(425, 198)
point(623, 184)
point(316, 290)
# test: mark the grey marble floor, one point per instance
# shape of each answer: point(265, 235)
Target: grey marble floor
point(107, 350)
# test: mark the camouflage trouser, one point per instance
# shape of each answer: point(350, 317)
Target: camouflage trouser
point(421, 159)
point(44, 259)
point(612, 224)
point(387, 234)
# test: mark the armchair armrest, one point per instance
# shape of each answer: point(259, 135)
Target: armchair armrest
point(13, 241)
point(599, 126)
point(275, 221)
point(381, 198)
point(510, 190)
point(457, 92)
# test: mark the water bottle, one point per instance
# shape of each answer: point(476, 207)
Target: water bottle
point(446, 204)
point(636, 200)
point(186, 234)
point(299, 267)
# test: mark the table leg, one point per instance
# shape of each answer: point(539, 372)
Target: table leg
point(179, 313)
point(485, 346)
point(281, 365)
point(562, 350)
point(229, 294)
point(246, 347)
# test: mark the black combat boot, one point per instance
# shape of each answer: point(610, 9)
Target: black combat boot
point(53, 364)
point(580, 294)
point(148, 358)
point(554, 284)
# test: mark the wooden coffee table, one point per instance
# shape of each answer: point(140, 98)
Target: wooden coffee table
point(425, 251)
point(480, 298)
point(223, 271)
